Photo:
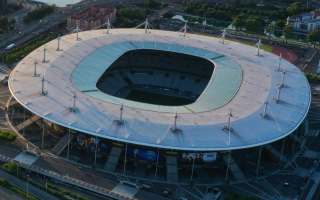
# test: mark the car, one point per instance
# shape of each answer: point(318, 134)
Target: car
point(10, 46)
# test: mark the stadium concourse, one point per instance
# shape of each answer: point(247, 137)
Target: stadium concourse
point(163, 105)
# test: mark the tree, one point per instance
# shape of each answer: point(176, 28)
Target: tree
point(152, 4)
point(314, 37)
point(279, 27)
point(294, 8)
point(4, 24)
point(254, 24)
point(280, 24)
point(39, 13)
point(288, 32)
point(239, 21)
point(127, 16)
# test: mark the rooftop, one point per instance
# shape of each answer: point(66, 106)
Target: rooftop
point(241, 83)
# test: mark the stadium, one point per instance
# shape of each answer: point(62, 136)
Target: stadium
point(164, 105)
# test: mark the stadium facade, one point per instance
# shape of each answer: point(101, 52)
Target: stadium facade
point(170, 99)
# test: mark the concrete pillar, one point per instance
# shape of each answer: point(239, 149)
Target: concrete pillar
point(259, 160)
point(228, 167)
point(68, 146)
point(293, 146)
point(282, 148)
point(157, 163)
point(192, 168)
point(24, 119)
point(125, 159)
point(306, 126)
point(95, 151)
point(42, 136)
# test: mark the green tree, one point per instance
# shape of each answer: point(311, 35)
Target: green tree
point(4, 24)
point(152, 4)
point(280, 24)
point(39, 13)
point(128, 17)
point(314, 37)
point(288, 32)
point(279, 27)
point(294, 8)
point(254, 24)
point(239, 21)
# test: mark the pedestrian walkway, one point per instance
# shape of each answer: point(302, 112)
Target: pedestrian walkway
point(234, 167)
point(12, 102)
point(62, 144)
point(113, 159)
point(26, 158)
point(315, 186)
point(125, 190)
point(276, 153)
point(311, 154)
point(172, 168)
point(27, 123)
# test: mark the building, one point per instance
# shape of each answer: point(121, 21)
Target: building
point(3, 6)
point(163, 105)
point(305, 23)
point(92, 18)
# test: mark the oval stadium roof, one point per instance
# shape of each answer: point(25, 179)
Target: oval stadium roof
point(242, 83)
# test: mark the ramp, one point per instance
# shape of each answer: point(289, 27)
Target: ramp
point(172, 168)
point(113, 159)
point(28, 122)
point(62, 144)
point(124, 190)
point(234, 168)
point(276, 153)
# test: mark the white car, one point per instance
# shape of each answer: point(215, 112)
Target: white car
point(10, 46)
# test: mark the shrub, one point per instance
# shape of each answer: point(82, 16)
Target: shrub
point(4, 183)
point(10, 167)
point(8, 135)
point(313, 77)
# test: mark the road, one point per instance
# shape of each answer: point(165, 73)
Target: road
point(23, 185)
point(7, 194)
point(30, 31)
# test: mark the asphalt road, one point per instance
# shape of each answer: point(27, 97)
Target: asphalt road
point(30, 31)
point(7, 194)
point(23, 184)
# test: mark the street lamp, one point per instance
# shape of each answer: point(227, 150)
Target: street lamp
point(27, 187)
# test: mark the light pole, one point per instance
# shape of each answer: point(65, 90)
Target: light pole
point(17, 169)
point(95, 150)
point(125, 159)
point(46, 184)
point(27, 187)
